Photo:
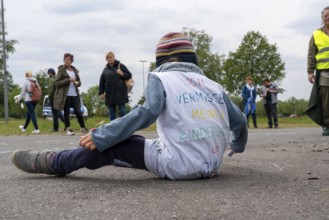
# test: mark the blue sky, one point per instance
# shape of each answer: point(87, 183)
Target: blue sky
point(47, 29)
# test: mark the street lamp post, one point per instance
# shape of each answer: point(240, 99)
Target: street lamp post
point(143, 61)
point(4, 65)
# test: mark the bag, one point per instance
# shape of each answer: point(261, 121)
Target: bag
point(35, 91)
point(129, 82)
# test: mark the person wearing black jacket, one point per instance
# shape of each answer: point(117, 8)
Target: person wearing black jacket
point(112, 86)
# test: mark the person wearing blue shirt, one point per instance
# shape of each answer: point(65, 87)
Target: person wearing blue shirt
point(249, 100)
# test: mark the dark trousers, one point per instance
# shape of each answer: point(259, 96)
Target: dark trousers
point(56, 114)
point(30, 105)
point(324, 96)
point(73, 102)
point(129, 153)
point(113, 111)
point(253, 119)
point(271, 111)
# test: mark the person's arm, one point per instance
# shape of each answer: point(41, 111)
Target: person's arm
point(312, 51)
point(61, 80)
point(141, 117)
point(238, 125)
point(126, 73)
point(243, 94)
point(274, 89)
point(77, 80)
point(101, 86)
point(254, 94)
point(23, 92)
point(311, 60)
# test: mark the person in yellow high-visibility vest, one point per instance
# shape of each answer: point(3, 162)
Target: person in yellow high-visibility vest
point(318, 61)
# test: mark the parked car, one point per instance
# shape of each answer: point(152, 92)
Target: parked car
point(46, 110)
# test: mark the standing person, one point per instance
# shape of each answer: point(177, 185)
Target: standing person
point(318, 61)
point(51, 91)
point(194, 118)
point(249, 100)
point(112, 83)
point(67, 95)
point(269, 92)
point(30, 105)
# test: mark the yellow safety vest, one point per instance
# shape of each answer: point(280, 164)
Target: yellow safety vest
point(321, 40)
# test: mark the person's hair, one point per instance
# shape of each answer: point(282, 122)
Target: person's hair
point(109, 54)
point(326, 8)
point(28, 74)
point(69, 55)
point(266, 80)
point(249, 78)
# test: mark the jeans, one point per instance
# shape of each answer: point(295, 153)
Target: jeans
point(271, 111)
point(56, 114)
point(113, 111)
point(73, 102)
point(30, 105)
point(129, 153)
point(253, 119)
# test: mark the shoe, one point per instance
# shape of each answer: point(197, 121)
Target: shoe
point(36, 131)
point(276, 126)
point(269, 127)
point(325, 132)
point(255, 126)
point(22, 128)
point(84, 130)
point(69, 131)
point(33, 161)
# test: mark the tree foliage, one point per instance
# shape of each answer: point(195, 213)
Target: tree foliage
point(10, 49)
point(93, 103)
point(211, 63)
point(254, 57)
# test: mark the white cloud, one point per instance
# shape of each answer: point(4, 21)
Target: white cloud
point(47, 29)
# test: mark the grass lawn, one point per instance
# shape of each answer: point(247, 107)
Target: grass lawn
point(11, 128)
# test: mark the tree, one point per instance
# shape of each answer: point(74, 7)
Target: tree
point(210, 63)
point(254, 57)
point(10, 49)
point(93, 102)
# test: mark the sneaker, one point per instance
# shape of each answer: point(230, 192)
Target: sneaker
point(36, 131)
point(84, 130)
point(69, 131)
point(33, 161)
point(22, 128)
point(325, 132)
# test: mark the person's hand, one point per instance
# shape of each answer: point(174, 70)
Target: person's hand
point(119, 71)
point(102, 97)
point(72, 80)
point(86, 141)
point(311, 77)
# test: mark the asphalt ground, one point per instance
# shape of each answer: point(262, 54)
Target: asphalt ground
point(284, 174)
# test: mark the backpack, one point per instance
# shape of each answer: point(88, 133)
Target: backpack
point(35, 91)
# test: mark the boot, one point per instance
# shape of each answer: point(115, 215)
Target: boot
point(33, 161)
point(325, 132)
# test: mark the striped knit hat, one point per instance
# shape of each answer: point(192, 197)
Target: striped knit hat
point(175, 47)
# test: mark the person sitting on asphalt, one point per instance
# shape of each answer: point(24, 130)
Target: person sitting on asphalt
point(194, 120)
